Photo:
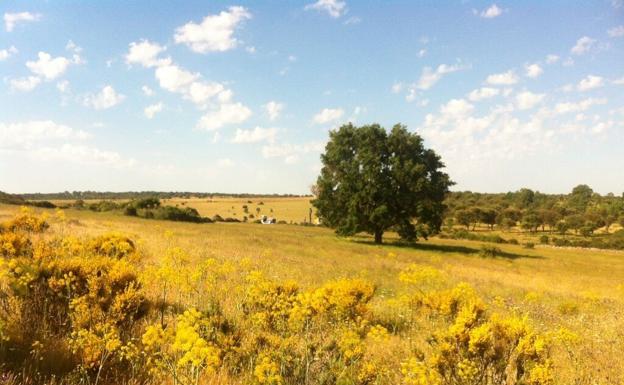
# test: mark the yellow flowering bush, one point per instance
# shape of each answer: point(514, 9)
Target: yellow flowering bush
point(482, 350)
point(27, 221)
point(185, 351)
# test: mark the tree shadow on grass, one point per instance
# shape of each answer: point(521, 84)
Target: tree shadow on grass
point(448, 249)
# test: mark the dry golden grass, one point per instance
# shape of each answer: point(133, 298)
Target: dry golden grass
point(580, 290)
point(294, 209)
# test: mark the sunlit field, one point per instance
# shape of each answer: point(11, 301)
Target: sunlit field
point(291, 210)
point(567, 302)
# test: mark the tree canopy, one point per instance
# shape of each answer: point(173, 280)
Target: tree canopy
point(373, 180)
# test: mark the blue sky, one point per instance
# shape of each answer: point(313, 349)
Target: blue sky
point(239, 97)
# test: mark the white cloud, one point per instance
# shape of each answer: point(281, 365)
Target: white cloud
point(583, 105)
point(214, 33)
point(396, 88)
point(590, 82)
point(505, 79)
point(533, 70)
point(291, 152)
point(616, 31)
point(200, 92)
point(274, 109)
point(256, 135)
point(231, 113)
point(25, 84)
point(429, 77)
point(175, 79)
point(552, 59)
point(619, 81)
point(583, 45)
point(146, 54)
point(12, 19)
point(483, 93)
point(82, 154)
point(422, 52)
point(527, 100)
point(334, 8)
point(147, 91)
point(104, 99)
point(352, 20)
point(47, 67)
point(7, 53)
point(62, 86)
point(25, 135)
point(151, 110)
point(456, 107)
point(491, 12)
point(327, 115)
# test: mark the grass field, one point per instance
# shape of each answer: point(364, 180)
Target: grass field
point(579, 290)
point(293, 210)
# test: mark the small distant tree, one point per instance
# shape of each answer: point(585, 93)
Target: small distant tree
point(530, 221)
point(575, 222)
point(373, 180)
point(488, 216)
point(464, 218)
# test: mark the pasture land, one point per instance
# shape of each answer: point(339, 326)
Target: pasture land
point(561, 290)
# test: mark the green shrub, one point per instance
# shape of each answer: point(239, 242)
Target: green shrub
point(544, 239)
point(488, 251)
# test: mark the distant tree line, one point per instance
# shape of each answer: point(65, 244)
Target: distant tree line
point(100, 195)
point(581, 212)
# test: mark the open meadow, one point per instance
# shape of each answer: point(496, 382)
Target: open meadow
point(574, 298)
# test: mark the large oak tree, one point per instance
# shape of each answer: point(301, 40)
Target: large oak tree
point(373, 181)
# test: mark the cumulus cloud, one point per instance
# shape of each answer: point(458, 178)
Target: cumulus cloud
point(104, 99)
point(327, 115)
point(82, 154)
point(62, 86)
point(25, 84)
point(503, 79)
point(7, 53)
point(175, 79)
point(48, 67)
point(589, 83)
point(552, 59)
point(491, 12)
point(215, 33)
point(334, 8)
point(273, 109)
point(289, 152)
point(583, 105)
point(13, 19)
point(483, 93)
point(147, 91)
point(430, 77)
point(26, 135)
point(583, 45)
point(456, 107)
point(151, 110)
point(46, 140)
point(527, 100)
point(146, 54)
point(616, 31)
point(229, 113)
point(205, 94)
point(533, 70)
point(256, 135)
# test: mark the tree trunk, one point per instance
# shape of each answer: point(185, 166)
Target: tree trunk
point(378, 236)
